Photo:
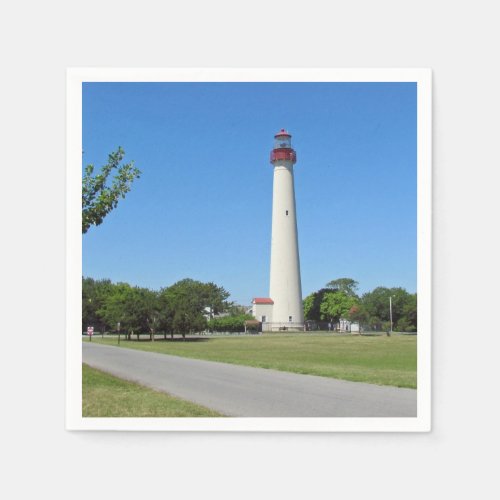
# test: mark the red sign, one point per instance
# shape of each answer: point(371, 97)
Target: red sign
point(90, 330)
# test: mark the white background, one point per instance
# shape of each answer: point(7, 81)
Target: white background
point(458, 40)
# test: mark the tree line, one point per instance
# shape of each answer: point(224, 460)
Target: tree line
point(185, 307)
point(339, 299)
point(190, 306)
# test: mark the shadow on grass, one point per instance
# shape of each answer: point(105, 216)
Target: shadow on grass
point(175, 339)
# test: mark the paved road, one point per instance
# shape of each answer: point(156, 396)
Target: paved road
point(242, 391)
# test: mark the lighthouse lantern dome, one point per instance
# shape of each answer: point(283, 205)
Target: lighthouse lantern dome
point(282, 140)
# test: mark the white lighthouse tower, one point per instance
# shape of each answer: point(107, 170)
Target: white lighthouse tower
point(282, 310)
point(285, 287)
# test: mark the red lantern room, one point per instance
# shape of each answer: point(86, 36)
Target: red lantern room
point(283, 148)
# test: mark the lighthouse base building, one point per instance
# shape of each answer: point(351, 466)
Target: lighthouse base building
point(262, 310)
point(283, 309)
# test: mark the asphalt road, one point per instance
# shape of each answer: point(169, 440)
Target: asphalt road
point(242, 391)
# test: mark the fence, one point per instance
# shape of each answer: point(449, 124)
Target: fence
point(282, 327)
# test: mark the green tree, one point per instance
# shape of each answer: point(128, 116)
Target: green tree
point(329, 304)
point(100, 193)
point(166, 313)
point(185, 301)
point(345, 285)
point(404, 307)
point(336, 304)
point(312, 305)
point(187, 320)
point(408, 320)
point(123, 305)
point(215, 298)
point(94, 293)
point(149, 310)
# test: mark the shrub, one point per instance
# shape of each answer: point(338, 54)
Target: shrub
point(228, 323)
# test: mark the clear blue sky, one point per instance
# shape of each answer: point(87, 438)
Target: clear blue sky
point(202, 207)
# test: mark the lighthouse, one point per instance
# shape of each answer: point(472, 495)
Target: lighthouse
point(284, 284)
point(283, 309)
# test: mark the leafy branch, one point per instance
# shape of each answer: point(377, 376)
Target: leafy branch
point(98, 197)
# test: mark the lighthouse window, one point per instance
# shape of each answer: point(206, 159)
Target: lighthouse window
point(290, 319)
point(283, 142)
point(287, 212)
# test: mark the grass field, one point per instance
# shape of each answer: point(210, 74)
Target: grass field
point(374, 359)
point(106, 396)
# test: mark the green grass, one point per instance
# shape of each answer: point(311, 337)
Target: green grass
point(106, 396)
point(374, 359)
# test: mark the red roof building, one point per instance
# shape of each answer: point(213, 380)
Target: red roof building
point(262, 300)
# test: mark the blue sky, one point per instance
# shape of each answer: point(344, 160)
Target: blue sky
point(202, 207)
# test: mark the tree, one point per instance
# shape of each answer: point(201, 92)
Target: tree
point(215, 298)
point(336, 304)
point(312, 305)
point(187, 320)
point(358, 313)
point(185, 302)
point(123, 305)
point(166, 313)
point(150, 311)
point(404, 307)
point(98, 197)
point(94, 292)
point(346, 285)
point(329, 304)
point(408, 321)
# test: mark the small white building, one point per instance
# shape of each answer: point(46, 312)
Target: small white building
point(262, 310)
point(344, 325)
point(355, 327)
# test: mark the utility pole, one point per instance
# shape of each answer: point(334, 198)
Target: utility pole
point(390, 310)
